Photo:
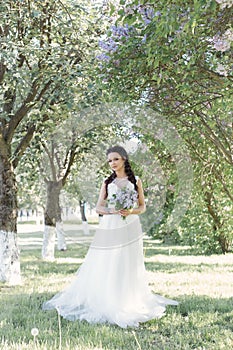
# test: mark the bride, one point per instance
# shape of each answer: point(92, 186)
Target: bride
point(111, 285)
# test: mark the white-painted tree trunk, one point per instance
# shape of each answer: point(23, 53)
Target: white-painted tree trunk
point(9, 258)
point(85, 228)
point(48, 246)
point(9, 252)
point(53, 221)
point(61, 241)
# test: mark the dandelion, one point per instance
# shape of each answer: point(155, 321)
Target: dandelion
point(34, 333)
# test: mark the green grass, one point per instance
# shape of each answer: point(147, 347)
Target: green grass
point(27, 222)
point(202, 284)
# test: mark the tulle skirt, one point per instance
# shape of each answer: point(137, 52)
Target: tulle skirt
point(111, 284)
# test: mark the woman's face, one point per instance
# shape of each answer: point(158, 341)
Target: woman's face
point(115, 161)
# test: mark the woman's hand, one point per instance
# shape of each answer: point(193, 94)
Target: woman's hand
point(125, 212)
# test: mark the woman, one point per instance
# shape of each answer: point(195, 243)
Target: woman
point(110, 285)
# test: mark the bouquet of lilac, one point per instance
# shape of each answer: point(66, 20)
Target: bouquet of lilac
point(124, 199)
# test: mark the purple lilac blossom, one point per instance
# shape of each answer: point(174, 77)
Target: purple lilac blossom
point(110, 45)
point(124, 199)
point(147, 13)
point(103, 57)
point(120, 31)
point(144, 39)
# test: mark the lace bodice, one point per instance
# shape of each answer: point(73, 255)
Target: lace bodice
point(118, 184)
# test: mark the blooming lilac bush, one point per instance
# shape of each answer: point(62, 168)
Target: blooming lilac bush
point(110, 44)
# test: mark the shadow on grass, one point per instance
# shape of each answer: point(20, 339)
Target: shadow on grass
point(68, 267)
point(204, 304)
point(158, 248)
point(70, 260)
point(180, 267)
point(21, 312)
point(66, 264)
point(46, 268)
point(12, 303)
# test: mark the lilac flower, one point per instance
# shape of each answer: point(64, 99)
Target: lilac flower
point(144, 39)
point(103, 57)
point(110, 45)
point(119, 31)
point(120, 34)
point(124, 199)
point(223, 42)
point(147, 13)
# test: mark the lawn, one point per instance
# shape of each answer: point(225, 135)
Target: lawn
point(202, 284)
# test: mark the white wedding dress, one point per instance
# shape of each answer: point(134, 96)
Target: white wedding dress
point(111, 284)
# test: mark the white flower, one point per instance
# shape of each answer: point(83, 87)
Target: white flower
point(223, 42)
point(225, 3)
point(221, 70)
point(229, 34)
point(34, 332)
point(222, 45)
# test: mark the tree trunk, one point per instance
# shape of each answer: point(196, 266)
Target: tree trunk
point(82, 210)
point(53, 221)
point(84, 219)
point(61, 241)
point(224, 241)
point(9, 252)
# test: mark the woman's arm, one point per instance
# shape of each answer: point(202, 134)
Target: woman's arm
point(101, 207)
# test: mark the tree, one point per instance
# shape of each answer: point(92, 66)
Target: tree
point(41, 63)
point(176, 58)
point(64, 147)
point(61, 160)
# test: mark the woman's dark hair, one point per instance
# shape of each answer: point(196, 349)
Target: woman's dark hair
point(129, 172)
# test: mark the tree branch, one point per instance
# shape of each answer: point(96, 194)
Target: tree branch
point(71, 158)
point(214, 138)
point(51, 161)
point(2, 71)
point(21, 112)
point(25, 141)
point(28, 103)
